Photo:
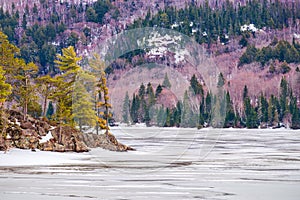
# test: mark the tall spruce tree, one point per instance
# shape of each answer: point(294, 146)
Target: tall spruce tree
point(230, 115)
point(196, 86)
point(134, 108)
point(284, 93)
point(125, 110)
point(166, 83)
point(50, 110)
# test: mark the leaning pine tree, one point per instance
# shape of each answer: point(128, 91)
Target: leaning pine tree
point(101, 97)
point(103, 103)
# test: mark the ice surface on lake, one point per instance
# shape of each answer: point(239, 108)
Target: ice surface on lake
point(169, 163)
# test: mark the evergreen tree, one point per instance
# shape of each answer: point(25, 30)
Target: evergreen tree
point(103, 92)
point(8, 61)
point(166, 83)
point(208, 102)
point(146, 115)
point(134, 109)
point(283, 98)
point(150, 94)
point(5, 88)
point(126, 105)
point(158, 90)
point(50, 110)
point(161, 117)
point(62, 95)
point(188, 117)
point(295, 114)
point(272, 111)
point(196, 86)
point(250, 114)
point(142, 90)
point(45, 86)
point(263, 108)
point(82, 104)
point(230, 115)
point(201, 112)
point(245, 92)
point(221, 80)
point(177, 114)
point(24, 89)
point(24, 22)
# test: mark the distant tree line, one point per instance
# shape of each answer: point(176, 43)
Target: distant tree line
point(264, 112)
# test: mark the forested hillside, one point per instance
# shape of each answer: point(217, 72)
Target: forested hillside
point(252, 42)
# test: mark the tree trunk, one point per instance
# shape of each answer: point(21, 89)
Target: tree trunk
point(45, 106)
point(107, 116)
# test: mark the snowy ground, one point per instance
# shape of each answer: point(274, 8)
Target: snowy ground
point(169, 163)
point(19, 157)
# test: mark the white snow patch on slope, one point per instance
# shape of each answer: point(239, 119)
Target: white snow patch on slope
point(46, 137)
point(159, 45)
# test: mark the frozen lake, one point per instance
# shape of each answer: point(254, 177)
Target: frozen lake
point(169, 164)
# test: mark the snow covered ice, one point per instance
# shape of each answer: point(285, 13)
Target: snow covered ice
point(169, 163)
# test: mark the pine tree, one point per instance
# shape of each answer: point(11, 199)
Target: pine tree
point(142, 90)
point(146, 115)
point(245, 92)
point(196, 86)
point(161, 117)
point(24, 88)
point(166, 83)
point(5, 88)
point(64, 85)
point(263, 108)
point(250, 114)
point(202, 112)
point(158, 90)
point(188, 117)
point(273, 111)
point(45, 86)
point(168, 118)
point(126, 105)
point(221, 80)
point(82, 105)
point(50, 110)
point(10, 64)
point(207, 111)
point(230, 115)
point(5, 91)
point(295, 115)
point(150, 95)
point(135, 105)
point(177, 114)
point(283, 98)
point(103, 93)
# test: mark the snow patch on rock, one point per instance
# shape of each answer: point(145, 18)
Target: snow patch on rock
point(46, 137)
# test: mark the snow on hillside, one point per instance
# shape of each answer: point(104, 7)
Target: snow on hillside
point(161, 44)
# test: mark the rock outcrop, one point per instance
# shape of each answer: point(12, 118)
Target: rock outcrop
point(39, 134)
point(105, 141)
point(64, 140)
